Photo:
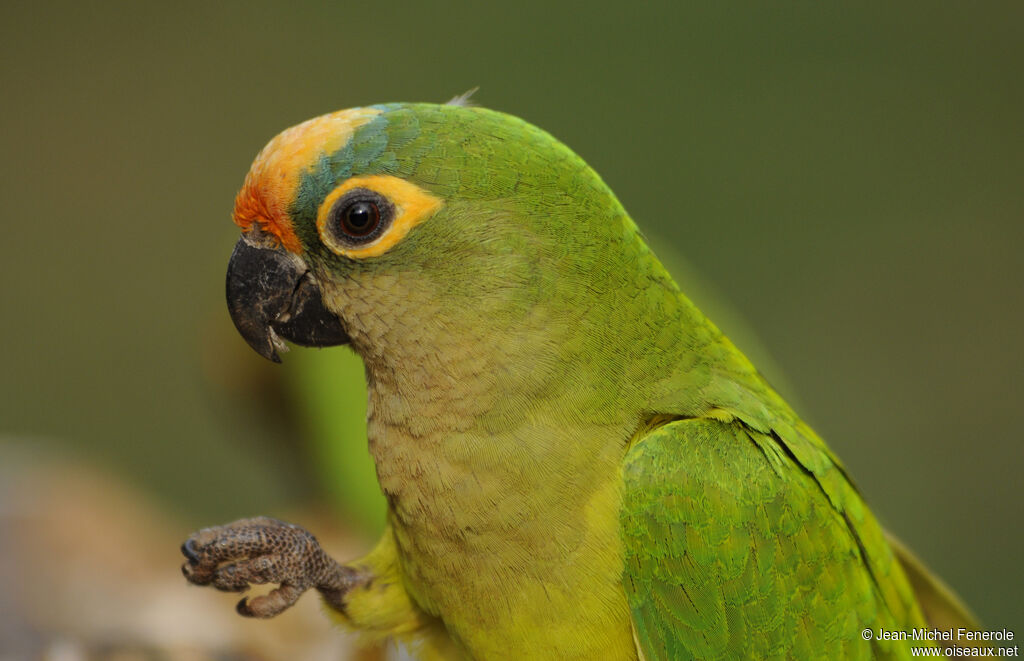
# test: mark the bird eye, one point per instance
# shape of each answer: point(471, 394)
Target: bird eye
point(366, 216)
point(360, 216)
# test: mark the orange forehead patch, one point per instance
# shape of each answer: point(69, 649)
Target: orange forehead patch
point(270, 185)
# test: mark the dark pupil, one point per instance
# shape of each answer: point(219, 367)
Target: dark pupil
point(361, 218)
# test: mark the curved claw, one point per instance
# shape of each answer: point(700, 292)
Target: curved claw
point(189, 550)
point(277, 600)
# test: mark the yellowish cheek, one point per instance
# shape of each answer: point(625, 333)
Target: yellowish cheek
point(413, 205)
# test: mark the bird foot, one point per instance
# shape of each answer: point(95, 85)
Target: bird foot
point(259, 551)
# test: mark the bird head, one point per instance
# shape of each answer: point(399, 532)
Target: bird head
point(422, 224)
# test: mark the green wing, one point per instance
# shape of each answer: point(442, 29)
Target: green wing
point(734, 549)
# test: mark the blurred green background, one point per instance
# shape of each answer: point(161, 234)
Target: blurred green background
point(850, 181)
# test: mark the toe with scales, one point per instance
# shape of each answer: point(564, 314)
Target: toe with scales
point(261, 551)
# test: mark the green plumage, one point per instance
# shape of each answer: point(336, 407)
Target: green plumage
point(574, 457)
point(730, 554)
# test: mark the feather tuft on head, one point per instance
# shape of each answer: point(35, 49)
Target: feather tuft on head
point(464, 98)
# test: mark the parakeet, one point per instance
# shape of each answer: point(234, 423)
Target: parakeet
point(577, 463)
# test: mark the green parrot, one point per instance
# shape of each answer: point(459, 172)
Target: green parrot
point(577, 463)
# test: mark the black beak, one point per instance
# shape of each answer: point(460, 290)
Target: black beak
point(272, 296)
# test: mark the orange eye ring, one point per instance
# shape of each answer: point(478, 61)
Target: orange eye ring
point(358, 217)
point(400, 206)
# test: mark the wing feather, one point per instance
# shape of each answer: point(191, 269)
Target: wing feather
point(734, 548)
